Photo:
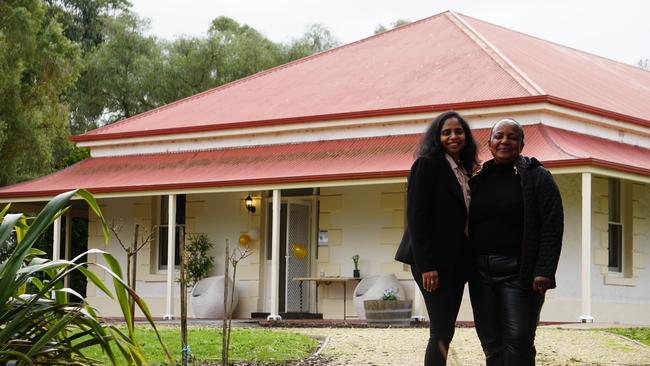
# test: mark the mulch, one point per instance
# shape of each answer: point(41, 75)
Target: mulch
point(337, 323)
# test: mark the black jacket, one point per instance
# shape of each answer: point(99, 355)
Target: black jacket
point(436, 214)
point(543, 219)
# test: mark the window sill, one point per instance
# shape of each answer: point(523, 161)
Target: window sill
point(620, 281)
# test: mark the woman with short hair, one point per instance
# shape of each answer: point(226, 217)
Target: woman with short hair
point(515, 229)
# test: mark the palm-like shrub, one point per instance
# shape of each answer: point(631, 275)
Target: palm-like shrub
point(40, 322)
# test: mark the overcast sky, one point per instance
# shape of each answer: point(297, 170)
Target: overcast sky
point(616, 29)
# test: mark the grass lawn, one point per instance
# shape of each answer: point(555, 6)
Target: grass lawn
point(640, 334)
point(246, 344)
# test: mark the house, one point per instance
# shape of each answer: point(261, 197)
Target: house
point(323, 146)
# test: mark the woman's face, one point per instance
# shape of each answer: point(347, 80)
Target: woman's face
point(505, 142)
point(452, 137)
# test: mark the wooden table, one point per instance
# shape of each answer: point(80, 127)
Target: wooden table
point(327, 281)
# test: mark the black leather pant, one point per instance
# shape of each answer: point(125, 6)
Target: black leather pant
point(442, 306)
point(505, 314)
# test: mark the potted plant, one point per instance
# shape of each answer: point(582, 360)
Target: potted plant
point(198, 262)
point(356, 273)
point(389, 311)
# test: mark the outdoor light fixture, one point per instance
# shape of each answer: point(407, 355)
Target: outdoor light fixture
point(249, 204)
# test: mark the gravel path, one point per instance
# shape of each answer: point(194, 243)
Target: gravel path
point(404, 347)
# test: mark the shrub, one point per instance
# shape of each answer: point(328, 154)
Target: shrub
point(38, 323)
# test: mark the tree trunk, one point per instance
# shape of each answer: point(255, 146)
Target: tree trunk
point(132, 262)
point(183, 298)
point(224, 334)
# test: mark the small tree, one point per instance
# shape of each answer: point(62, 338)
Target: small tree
point(131, 251)
point(233, 259)
point(198, 262)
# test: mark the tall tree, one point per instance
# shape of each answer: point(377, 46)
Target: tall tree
point(398, 23)
point(37, 64)
point(83, 21)
point(242, 49)
point(130, 73)
point(120, 74)
point(316, 38)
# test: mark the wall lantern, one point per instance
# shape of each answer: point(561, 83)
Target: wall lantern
point(249, 204)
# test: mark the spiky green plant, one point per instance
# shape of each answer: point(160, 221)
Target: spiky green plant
point(38, 322)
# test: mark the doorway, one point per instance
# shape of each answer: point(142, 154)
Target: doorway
point(295, 253)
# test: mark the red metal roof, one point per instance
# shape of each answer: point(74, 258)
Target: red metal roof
point(376, 157)
point(573, 75)
point(437, 63)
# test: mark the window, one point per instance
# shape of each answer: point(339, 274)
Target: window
point(163, 229)
point(615, 227)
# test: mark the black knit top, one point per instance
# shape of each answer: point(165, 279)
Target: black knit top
point(497, 213)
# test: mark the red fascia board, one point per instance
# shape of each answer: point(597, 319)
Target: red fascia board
point(232, 183)
point(373, 113)
point(314, 118)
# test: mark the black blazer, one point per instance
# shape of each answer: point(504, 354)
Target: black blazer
point(436, 214)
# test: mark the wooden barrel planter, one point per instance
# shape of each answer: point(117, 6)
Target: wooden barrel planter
point(388, 313)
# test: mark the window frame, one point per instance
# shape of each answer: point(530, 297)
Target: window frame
point(163, 227)
point(615, 219)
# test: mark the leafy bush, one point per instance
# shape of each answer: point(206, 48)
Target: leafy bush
point(38, 323)
point(199, 263)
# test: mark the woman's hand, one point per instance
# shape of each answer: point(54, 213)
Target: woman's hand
point(430, 280)
point(541, 284)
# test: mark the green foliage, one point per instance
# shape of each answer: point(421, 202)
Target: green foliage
point(118, 76)
point(396, 24)
point(316, 39)
point(390, 294)
point(75, 155)
point(198, 262)
point(37, 65)
point(640, 334)
point(83, 20)
point(247, 344)
point(355, 259)
point(38, 323)
point(130, 73)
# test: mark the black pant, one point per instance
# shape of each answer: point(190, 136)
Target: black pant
point(505, 314)
point(442, 305)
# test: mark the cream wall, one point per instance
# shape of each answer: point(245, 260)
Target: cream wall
point(369, 221)
point(220, 216)
point(365, 220)
point(615, 297)
point(568, 275)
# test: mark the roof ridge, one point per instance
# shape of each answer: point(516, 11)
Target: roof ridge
point(259, 74)
point(499, 57)
point(544, 132)
point(560, 44)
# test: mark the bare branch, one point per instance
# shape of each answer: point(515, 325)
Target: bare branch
point(148, 239)
point(115, 229)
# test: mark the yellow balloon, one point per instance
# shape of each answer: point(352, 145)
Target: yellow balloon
point(244, 239)
point(299, 250)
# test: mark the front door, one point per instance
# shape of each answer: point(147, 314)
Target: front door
point(295, 254)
